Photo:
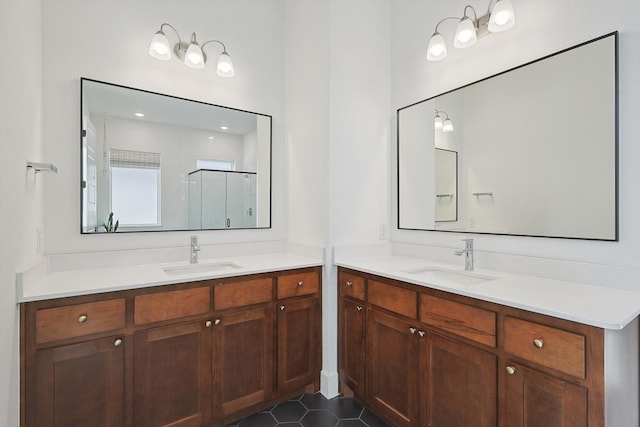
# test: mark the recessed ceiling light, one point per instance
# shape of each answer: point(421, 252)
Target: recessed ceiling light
point(139, 114)
point(224, 127)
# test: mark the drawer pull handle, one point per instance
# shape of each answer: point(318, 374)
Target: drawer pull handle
point(217, 322)
point(412, 330)
point(349, 284)
point(82, 318)
point(421, 333)
point(538, 343)
point(300, 283)
point(359, 308)
point(511, 370)
point(208, 323)
point(117, 342)
point(282, 308)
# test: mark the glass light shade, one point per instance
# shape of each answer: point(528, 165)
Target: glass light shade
point(437, 122)
point(502, 17)
point(159, 47)
point(437, 49)
point(465, 33)
point(194, 58)
point(225, 66)
point(447, 126)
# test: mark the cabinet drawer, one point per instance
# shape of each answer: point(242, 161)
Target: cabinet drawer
point(467, 321)
point(293, 285)
point(545, 345)
point(351, 285)
point(77, 320)
point(393, 298)
point(171, 305)
point(238, 294)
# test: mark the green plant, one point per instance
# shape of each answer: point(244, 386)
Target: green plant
point(110, 227)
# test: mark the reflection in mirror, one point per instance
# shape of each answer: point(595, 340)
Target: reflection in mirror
point(446, 176)
point(165, 163)
point(536, 148)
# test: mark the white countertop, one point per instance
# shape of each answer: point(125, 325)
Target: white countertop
point(592, 305)
point(96, 280)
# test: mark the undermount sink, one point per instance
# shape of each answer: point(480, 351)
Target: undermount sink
point(205, 267)
point(437, 275)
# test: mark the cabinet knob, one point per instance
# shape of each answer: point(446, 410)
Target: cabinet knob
point(422, 334)
point(300, 283)
point(349, 284)
point(83, 318)
point(510, 370)
point(282, 308)
point(412, 330)
point(117, 342)
point(538, 343)
point(217, 322)
point(208, 323)
point(359, 308)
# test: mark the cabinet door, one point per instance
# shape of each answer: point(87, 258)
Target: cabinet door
point(458, 384)
point(534, 399)
point(172, 375)
point(79, 385)
point(351, 343)
point(392, 370)
point(243, 360)
point(298, 343)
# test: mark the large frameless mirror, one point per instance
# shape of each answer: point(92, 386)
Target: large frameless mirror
point(153, 162)
point(536, 150)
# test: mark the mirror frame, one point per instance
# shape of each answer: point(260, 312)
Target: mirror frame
point(178, 98)
point(616, 237)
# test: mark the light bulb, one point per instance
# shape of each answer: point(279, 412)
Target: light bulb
point(159, 47)
point(465, 33)
point(437, 122)
point(225, 66)
point(437, 49)
point(502, 17)
point(447, 126)
point(194, 58)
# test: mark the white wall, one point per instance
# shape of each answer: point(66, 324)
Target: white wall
point(21, 192)
point(542, 27)
point(108, 41)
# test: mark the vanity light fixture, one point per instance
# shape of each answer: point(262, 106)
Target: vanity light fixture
point(445, 125)
point(500, 17)
point(192, 53)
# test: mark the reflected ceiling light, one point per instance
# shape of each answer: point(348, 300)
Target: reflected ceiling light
point(192, 53)
point(224, 127)
point(500, 17)
point(445, 125)
point(139, 114)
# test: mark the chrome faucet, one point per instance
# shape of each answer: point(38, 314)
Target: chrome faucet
point(194, 250)
point(468, 254)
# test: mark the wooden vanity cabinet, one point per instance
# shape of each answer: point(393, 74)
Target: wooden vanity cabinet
point(352, 323)
point(438, 359)
point(298, 309)
point(73, 363)
point(78, 385)
point(172, 375)
point(193, 354)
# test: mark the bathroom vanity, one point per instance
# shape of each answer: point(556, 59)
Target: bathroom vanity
point(191, 353)
point(423, 355)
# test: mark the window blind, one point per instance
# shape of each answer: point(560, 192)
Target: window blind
point(134, 159)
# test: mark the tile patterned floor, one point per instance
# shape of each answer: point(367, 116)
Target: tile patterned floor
point(313, 410)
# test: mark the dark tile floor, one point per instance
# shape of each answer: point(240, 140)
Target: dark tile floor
point(313, 410)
